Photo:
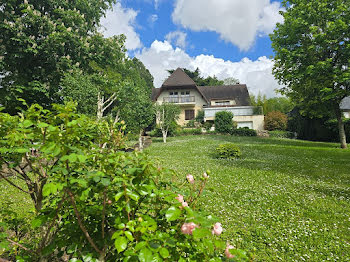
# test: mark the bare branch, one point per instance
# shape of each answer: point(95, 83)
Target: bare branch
point(104, 109)
point(109, 99)
point(81, 225)
point(19, 245)
point(11, 183)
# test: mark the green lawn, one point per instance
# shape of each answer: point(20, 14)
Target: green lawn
point(286, 200)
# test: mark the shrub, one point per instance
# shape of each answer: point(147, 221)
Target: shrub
point(190, 123)
point(208, 125)
point(173, 130)
point(200, 117)
point(228, 150)
point(98, 203)
point(224, 122)
point(276, 121)
point(281, 134)
point(244, 132)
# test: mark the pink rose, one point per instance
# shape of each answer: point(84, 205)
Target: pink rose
point(217, 230)
point(205, 175)
point(187, 228)
point(184, 204)
point(180, 198)
point(190, 179)
point(227, 251)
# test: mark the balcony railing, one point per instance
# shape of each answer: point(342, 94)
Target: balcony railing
point(180, 99)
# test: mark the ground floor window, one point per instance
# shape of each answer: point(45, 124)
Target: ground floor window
point(189, 114)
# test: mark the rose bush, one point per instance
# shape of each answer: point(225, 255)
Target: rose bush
point(98, 202)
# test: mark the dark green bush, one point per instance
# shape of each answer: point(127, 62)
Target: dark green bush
point(281, 134)
point(244, 132)
point(200, 117)
point(191, 123)
point(208, 126)
point(228, 150)
point(224, 122)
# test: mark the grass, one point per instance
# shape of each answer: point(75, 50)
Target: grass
point(284, 200)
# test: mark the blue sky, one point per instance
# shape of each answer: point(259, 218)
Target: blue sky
point(225, 38)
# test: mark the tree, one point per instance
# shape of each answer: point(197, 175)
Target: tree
point(201, 81)
point(166, 114)
point(136, 111)
point(40, 42)
point(276, 121)
point(282, 104)
point(312, 49)
point(231, 81)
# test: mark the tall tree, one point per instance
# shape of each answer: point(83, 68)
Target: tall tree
point(312, 49)
point(199, 80)
point(40, 41)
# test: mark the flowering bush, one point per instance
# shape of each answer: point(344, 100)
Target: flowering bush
point(99, 203)
point(228, 150)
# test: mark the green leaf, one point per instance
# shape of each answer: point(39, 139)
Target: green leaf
point(82, 158)
point(140, 245)
point(42, 125)
point(72, 158)
point(27, 123)
point(50, 188)
point(145, 255)
point(105, 181)
point(128, 234)
point(38, 221)
point(133, 196)
point(172, 213)
point(22, 150)
point(201, 233)
point(121, 244)
point(164, 252)
point(118, 196)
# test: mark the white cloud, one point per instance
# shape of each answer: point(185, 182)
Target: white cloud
point(161, 56)
point(122, 21)
point(178, 38)
point(237, 21)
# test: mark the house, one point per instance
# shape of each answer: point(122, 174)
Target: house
point(345, 107)
point(180, 89)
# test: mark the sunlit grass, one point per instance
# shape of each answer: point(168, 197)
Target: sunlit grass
point(285, 200)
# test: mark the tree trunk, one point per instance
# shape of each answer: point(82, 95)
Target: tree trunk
point(342, 135)
point(164, 136)
point(141, 141)
point(99, 106)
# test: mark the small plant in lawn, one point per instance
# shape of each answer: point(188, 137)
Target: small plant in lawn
point(229, 151)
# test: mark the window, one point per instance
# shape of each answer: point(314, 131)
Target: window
point(222, 103)
point(189, 114)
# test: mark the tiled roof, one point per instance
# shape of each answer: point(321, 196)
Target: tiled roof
point(178, 79)
point(237, 92)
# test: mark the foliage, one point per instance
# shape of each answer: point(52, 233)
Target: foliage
point(231, 81)
point(190, 131)
point(191, 123)
point(228, 150)
point(113, 205)
point(173, 130)
point(312, 56)
point(200, 117)
point(166, 114)
point(199, 80)
point(42, 40)
point(281, 134)
point(276, 121)
point(243, 132)
point(224, 122)
point(208, 125)
point(275, 197)
point(282, 104)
